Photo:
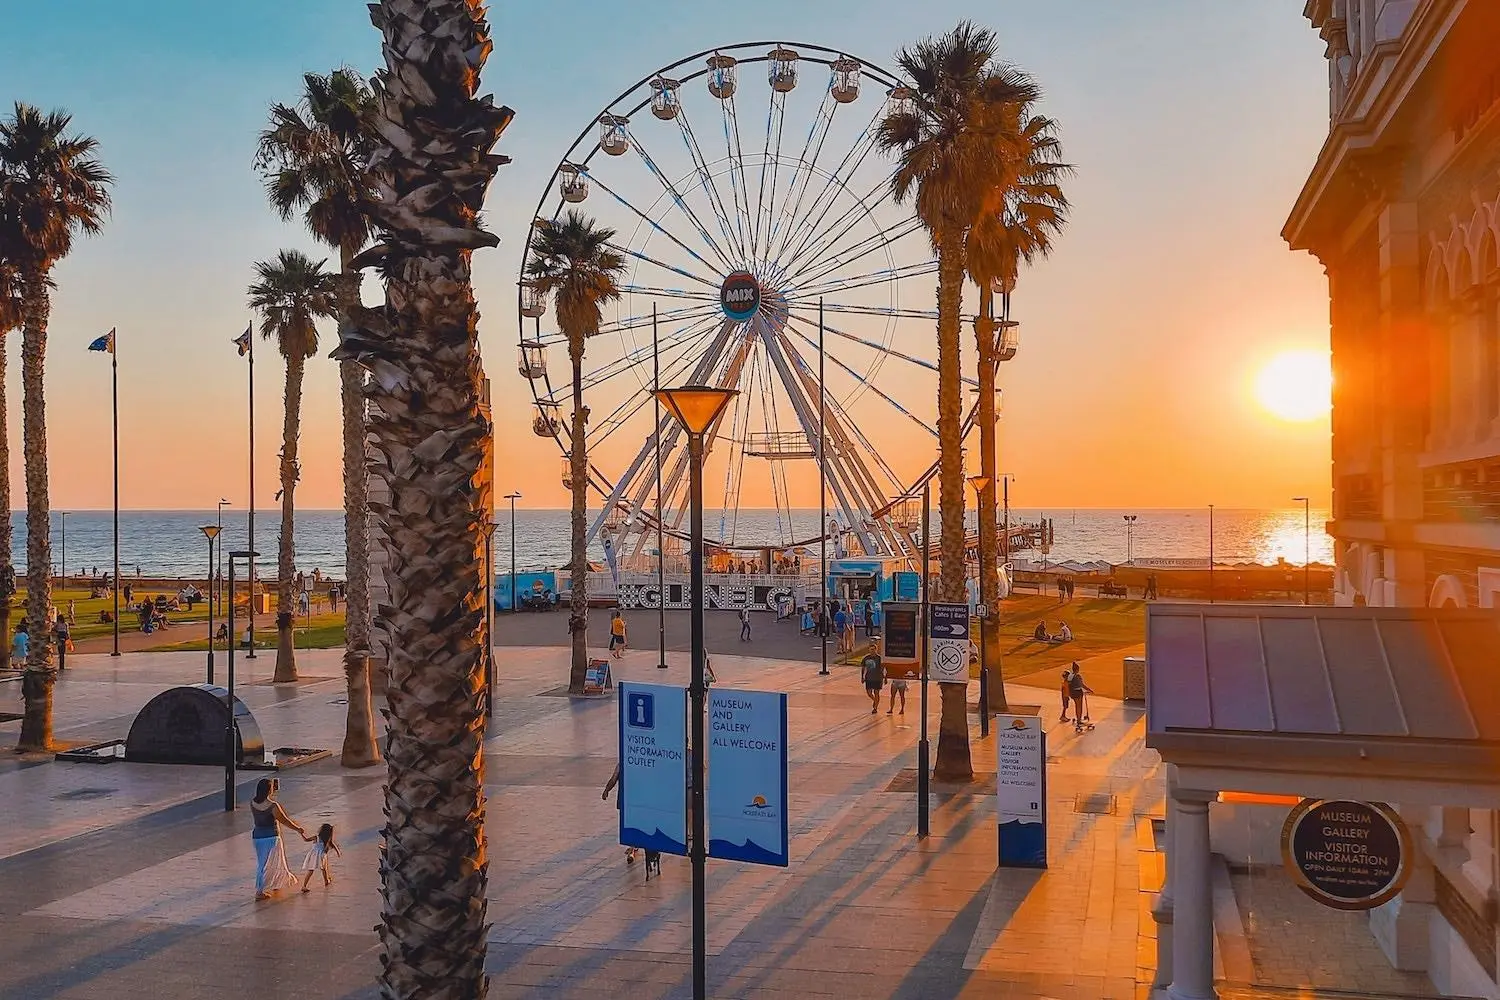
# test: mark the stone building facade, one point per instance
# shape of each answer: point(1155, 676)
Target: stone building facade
point(1402, 208)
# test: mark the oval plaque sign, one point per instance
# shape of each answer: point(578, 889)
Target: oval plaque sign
point(1347, 855)
point(739, 295)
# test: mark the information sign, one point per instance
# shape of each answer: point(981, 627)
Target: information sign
point(1021, 790)
point(746, 793)
point(596, 677)
point(1347, 855)
point(900, 653)
point(948, 643)
point(653, 767)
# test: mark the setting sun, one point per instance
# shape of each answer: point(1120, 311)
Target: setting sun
point(1296, 385)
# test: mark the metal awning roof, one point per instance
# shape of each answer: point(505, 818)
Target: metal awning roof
point(1407, 688)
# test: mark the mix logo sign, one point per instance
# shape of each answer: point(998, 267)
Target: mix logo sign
point(739, 295)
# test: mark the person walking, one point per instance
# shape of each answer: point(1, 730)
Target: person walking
point(1066, 691)
point(898, 688)
point(744, 624)
point(20, 646)
point(874, 677)
point(62, 635)
point(267, 818)
point(609, 786)
point(840, 623)
point(317, 857)
point(617, 635)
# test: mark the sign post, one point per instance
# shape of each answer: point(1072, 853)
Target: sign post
point(948, 643)
point(747, 796)
point(653, 767)
point(899, 634)
point(1347, 855)
point(1021, 790)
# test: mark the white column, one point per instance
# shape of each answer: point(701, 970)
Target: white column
point(1192, 902)
point(1161, 909)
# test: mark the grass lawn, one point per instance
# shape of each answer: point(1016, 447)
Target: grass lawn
point(86, 611)
point(1099, 626)
point(324, 632)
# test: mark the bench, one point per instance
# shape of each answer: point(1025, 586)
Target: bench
point(1112, 590)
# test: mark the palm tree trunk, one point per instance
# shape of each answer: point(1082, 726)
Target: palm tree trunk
point(989, 536)
point(578, 615)
point(360, 746)
point(7, 567)
point(953, 763)
point(430, 435)
point(36, 686)
point(286, 550)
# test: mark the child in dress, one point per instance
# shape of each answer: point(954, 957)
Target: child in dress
point(317, 856)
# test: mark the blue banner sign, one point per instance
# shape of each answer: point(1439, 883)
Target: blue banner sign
point(747, 797)
point(1021, 790)
point(653, 767)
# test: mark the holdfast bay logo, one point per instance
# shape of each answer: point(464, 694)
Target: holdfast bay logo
point(739, 295)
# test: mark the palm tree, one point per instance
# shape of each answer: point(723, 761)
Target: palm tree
point(431, 169)
point(291, 293)
point(1023, 208)
point(10, 319)
point(945, 147)
point(573, 261)
point(315, 157)
point(52, 188)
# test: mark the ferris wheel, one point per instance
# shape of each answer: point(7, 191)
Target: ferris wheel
point(765, 253)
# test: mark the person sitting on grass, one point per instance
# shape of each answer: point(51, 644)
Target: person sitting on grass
point(1064, 634)
point(1040, 633)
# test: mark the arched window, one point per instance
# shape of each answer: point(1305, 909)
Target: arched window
point(1439, 339)
point(1489, 324)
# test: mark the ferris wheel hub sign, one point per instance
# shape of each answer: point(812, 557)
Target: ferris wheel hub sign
point(739, 295)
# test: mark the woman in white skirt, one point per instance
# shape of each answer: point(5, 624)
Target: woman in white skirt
point(267, 817)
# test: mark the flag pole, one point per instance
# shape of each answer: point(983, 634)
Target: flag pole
point(250, 350)
point(114, 398)
point(661, 550)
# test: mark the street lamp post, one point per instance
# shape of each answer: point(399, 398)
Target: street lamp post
point(489, 614)
point(980, 484)
point(1210, 553)
point(1130, 539)
point(216, 576)
point(515, 592)
point(62, 532)
point(697, 409)
point(1306, 548)
point(211, 532)
point(230, 732)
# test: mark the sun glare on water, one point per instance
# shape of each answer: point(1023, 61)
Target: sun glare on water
point(1296, 385)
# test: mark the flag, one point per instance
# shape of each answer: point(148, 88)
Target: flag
point(612, 560)
point(243, 341)
point(104, 343)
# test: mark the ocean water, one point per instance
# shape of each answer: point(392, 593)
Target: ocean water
point(169, 543)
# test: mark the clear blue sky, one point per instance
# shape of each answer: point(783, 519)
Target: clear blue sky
point(1192, 124)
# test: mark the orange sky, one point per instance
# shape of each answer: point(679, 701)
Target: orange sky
point(1141, 337)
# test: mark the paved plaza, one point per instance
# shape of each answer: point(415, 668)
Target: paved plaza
point(128, 881)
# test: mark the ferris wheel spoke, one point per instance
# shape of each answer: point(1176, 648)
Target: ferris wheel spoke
point(678, 199)
point(710, 186)
point(877, 346)
point(812, 252)
point(851, 282)
point(863, 310)
point(629, 359)
point(648, 259)
point(836, 254)
point(632, 403)
point(817, 135)
point(738, 185)
point(858, 378)
point(827, 197)
point(775, 117)
point(656, 226)
point(644, 320)
point(652, 291)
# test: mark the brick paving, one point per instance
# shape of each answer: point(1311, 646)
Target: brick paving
point(129, 882)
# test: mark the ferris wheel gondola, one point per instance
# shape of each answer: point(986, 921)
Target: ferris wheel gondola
point(765, 252)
